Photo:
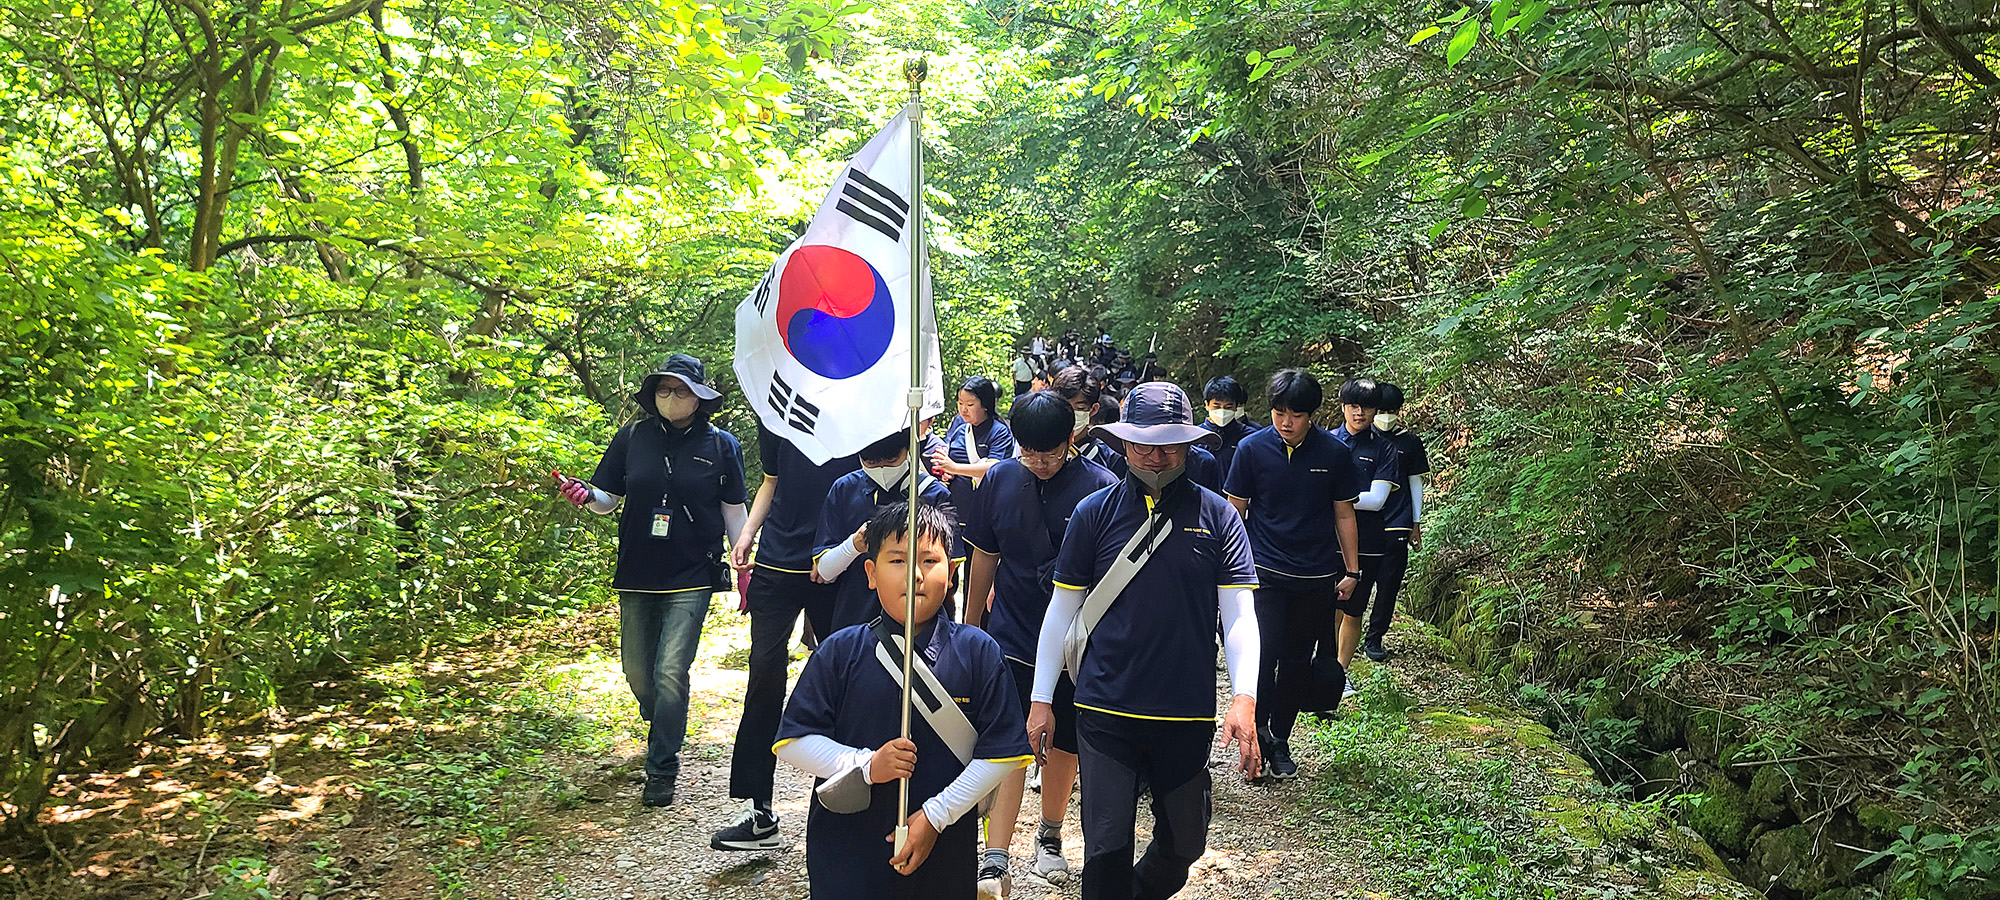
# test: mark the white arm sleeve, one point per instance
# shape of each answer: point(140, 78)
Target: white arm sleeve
point(1240, 641)
point(734, 517)
point(1064, 605)
point(835, 561)
point(601, 502)
point(980, 777)
point(1378, 494)
point(817, 754)
point(1416, 498)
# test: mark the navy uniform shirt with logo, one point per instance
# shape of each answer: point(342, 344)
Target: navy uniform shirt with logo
point(846, 694)
point(993, 440)
point(1375, 456)
point(1399, 514)
point(1101, 453)
point(1292, 491)
point(1140, 661)
point(850, 503)
point(683, 474)
point(786, 543)
point(1021, 519)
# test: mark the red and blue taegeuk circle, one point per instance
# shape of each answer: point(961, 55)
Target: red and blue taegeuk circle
point(834, 311)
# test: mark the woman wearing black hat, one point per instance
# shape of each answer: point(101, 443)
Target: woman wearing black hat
point(682, 480)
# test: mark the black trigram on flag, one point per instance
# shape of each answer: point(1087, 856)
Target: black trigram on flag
point(796, 411)
point(869, 202)
point(762, 298)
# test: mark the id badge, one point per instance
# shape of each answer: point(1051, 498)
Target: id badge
point(663, 521)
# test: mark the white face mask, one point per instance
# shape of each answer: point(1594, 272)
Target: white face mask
point(1387, 421)
point(1221, 417)
point(1082, 421)
point(887, 477)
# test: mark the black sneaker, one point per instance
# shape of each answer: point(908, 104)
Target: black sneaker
point(1280, 763)
point(659, 792)
point(755, 830)
point(1375, 652)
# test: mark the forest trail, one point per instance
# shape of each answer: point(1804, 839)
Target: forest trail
point(1321, 836)
point(506, 765)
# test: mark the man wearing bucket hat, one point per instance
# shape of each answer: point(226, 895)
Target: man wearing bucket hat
point(1146, 566)
point(681, 480)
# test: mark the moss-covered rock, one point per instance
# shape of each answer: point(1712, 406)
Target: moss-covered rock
point(1698, 884)
point(1768, 789)
point(1802, 858)
point(1661, 774)
point(1719, 809)
point(1883, 823)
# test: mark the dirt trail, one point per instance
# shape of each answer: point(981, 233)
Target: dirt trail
point(617, 849)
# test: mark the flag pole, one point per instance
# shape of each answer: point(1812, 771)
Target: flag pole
point(914, 70)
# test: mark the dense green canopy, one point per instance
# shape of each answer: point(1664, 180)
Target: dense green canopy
point(1696, 300)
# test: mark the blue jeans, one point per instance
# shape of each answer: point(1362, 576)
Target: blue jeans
point(657, 636)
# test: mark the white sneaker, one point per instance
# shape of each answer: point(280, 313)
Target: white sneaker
point(995, 882)
point(1350, 692)
point(1049, 861)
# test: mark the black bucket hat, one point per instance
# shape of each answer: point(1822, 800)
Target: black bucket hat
point(686, 368)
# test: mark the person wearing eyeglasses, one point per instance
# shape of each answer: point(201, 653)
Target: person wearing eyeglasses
point(679, 480)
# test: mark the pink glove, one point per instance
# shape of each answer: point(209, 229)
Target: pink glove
point(573, 489)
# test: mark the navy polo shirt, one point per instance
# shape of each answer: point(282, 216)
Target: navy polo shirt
point(1203, 468)
point(994, 441)
point(1292, 491)
point(850, 503)
point(1374, 455)
point(1021, 519)
point(1150, 657)
point(1231, 434)
point(1400, 513)
point(846, 694)
point(786, 542)
point(688, 472)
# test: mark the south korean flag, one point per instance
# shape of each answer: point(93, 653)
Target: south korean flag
point(823, 342)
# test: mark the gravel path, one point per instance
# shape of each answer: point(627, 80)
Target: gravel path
point(615, 850)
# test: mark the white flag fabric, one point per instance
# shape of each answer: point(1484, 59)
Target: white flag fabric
point(823, 342)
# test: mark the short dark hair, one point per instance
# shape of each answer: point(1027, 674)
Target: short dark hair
point(886, 447)
point(984, 389)
point(893, 521)
point(1223, 387)
point(1107, 411)
point(1041, 421)
point(1361, 392)
point(1296, 390)
point(1392, 398)
point(1074, 382)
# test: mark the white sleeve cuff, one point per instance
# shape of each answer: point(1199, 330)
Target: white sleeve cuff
point(1378, 494)
point(817, 754)
point(600, 502)
point(734, 517)
point(1416, 498)
point(837, 558)
point(1241, 645)
point(980, 777)
point(1064, 605)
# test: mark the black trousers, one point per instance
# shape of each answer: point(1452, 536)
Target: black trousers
point(1291, 624)
point(776, 599)
point(1116, 754)
point(1382, 577)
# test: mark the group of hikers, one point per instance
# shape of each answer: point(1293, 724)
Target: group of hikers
point(1077, 564)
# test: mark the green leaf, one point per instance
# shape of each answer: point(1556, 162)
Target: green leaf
point(1281, 53)
point(1254, 58)
point(1462, 43)
point(1502, 9)
point(1425, 35)
point(1473, 207)
point(1263, 68)
point(1541, 220)
point(1530, 13)
point(1460, 13)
